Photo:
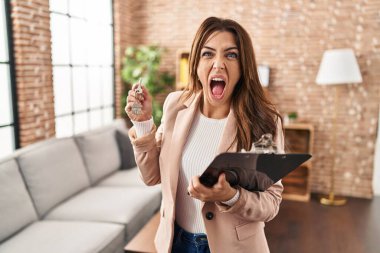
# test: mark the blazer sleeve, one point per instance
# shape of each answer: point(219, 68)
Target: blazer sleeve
point(147, 151)
point(146, 156)
point(259, 206)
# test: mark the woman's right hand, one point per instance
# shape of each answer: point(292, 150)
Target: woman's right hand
point(144, 99)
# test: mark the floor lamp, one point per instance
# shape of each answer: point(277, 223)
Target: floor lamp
point(338, 66)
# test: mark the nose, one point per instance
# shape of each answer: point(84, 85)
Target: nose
point(218, 64)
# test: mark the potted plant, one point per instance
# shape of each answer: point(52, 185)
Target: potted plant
point(292, 116)
point(144, 62)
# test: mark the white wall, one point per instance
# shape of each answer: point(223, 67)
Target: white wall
point(376, 174)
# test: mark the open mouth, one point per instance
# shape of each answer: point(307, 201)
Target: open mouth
point(217, 87)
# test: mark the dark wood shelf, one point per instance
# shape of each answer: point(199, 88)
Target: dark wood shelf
point(298, 139)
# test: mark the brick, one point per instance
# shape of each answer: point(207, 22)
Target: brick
point(31, 35)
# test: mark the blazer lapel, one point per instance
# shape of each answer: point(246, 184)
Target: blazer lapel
point(227, 142)
point(181, 132)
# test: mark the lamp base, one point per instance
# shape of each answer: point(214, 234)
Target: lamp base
point(331, 200)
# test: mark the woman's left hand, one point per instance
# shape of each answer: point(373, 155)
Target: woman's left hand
point(221, 191)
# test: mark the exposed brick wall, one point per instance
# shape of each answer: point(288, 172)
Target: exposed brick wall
point(31, 37)
point(291, 36)
point(126, 33)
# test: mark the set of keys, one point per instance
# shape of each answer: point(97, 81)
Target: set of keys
point(137, 106)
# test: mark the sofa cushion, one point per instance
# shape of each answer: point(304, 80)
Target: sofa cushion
point(65, 237)
point(53, 172)
point(126, 150)
point(100, 153)
point(130, 206)
point(129, 177)
point(16, 208)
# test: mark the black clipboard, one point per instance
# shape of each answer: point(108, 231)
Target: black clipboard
point(252, 171)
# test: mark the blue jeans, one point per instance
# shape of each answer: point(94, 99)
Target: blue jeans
point(185, 242)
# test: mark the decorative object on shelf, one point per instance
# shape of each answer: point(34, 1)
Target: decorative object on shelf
point(338, 66)
point(299, 138)
point(292, 116)
point(263, 71)
point(144, 62)
point(182, 73)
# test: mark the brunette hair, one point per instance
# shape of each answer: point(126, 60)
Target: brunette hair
point(255, 114)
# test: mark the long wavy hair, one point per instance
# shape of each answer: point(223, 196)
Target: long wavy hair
point(255, 114)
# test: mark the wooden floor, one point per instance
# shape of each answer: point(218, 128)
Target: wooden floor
point(143, 242)
point(309, 227)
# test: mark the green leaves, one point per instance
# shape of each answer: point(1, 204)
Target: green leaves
point(144, 62)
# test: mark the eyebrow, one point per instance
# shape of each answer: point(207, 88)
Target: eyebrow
point(227, 49)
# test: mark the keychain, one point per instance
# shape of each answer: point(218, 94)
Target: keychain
point(136, 107)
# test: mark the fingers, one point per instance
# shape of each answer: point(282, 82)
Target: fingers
point(198, 186)
point(135, 85)
point(128, 110)
point(191, 189)
point(138, 104)
point(128, 107)
point(222, 181)
point(219, 192)
point(197, 190)
point(132, 96)
point(144, 89)
point(222, 184)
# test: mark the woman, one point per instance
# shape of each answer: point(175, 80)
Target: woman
point(223, 109)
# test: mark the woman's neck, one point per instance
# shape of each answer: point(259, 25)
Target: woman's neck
point(214, 112)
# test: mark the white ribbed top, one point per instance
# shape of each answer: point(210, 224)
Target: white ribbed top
point(199, 151)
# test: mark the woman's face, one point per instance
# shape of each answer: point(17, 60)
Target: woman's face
point(218, 71)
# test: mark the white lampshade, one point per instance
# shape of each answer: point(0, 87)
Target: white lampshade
point(338, 66)
point(263, 75)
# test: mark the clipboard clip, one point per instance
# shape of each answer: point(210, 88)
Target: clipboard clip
point(265, 145)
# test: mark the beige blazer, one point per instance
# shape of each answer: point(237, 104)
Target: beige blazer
point(239, 228)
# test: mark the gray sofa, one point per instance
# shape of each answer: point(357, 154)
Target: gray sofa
point(77, 194)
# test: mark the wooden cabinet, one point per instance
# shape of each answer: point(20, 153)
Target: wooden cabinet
point(298, 139)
